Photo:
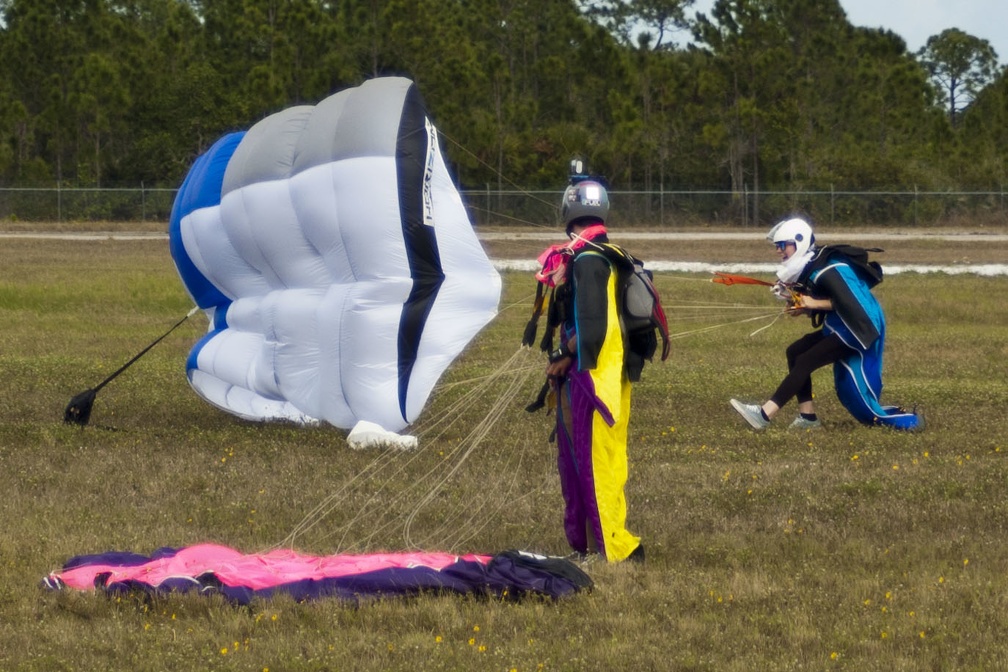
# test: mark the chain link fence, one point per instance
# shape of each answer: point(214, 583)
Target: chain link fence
point(653, 209)
point(691, 208)
point(55, 204)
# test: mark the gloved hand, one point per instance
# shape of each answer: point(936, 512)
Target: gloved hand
point(781, 291)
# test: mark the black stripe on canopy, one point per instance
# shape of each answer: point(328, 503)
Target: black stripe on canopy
point(421, 243)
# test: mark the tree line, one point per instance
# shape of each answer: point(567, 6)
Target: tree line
point(767, 95)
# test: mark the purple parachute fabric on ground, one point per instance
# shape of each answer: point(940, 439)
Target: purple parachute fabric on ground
point(213, 569)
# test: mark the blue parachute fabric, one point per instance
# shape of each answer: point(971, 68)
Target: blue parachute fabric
point(200, 189)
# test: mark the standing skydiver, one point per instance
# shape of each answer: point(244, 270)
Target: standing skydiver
point(589, 375)
point(832, 284)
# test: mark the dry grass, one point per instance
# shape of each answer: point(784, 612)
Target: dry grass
point(848, 549)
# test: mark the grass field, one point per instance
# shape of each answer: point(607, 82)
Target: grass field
point(849, 548)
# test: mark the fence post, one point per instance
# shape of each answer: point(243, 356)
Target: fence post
point(915, 205)
point(59, 201)
point(745, 204)
point(661, 204)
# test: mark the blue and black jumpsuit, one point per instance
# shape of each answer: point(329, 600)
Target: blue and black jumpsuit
point(852, 338)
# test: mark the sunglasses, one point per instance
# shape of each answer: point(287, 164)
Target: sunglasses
point(782, 245)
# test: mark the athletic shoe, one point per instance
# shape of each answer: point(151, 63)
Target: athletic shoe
point(752, 414)
point(803, 423)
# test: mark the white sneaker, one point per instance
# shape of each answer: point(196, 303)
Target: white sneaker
point(752, 414)
point(802, 424)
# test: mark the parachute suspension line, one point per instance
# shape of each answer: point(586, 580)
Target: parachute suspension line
point(453, 412)
point(386, 468)
point(767, 326)
point(465, 533)
point(78, 411)
point(381, 475)
point(433, 481)
point(552, 206)
point(376, 499)
point(502, 215)
point(684, 315)
point(721, 306)
point(370, 473)
point(333, 501)
point(470, 381)
point(537, 365)
point(376, 476)
point(683, 334)
point(486, 508)
point(505, 401)
point(390, 465)
point(452, 534)
point(686, 278)
point(494, 170)
point(518, 304)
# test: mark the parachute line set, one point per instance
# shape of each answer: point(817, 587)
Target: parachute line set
point(380, 502)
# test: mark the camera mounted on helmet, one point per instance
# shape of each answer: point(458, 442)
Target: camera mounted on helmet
point(578, 172)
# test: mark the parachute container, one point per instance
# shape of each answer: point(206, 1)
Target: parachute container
point(335, 260)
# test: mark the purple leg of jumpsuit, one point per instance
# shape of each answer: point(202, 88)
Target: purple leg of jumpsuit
point(574, 462)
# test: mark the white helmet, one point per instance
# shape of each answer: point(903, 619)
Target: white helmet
point(795, 230)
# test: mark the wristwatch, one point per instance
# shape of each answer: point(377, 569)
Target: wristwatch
point(560, 353)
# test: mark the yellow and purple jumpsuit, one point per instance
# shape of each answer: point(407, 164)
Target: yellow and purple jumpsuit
point(593, 411)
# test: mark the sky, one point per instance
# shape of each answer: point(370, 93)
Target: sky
point(917, 20)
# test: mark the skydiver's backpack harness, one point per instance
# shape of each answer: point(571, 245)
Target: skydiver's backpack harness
point(640, 309)
point(857, 257)
point(638, 304)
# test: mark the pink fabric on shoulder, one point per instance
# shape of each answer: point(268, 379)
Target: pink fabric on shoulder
point(554, 259)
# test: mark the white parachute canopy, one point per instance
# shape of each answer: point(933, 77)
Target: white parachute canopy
point(335, 260)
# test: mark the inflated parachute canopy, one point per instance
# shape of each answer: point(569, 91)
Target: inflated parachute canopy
point(335, 260)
